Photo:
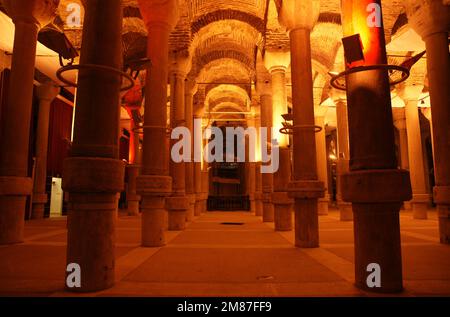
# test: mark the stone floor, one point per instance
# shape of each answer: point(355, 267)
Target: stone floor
point(210, 258)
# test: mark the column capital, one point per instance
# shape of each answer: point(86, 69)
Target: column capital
point(399, 117)
point(320, 111)
point(428, 17)
point(191, 86)
point(159, 12)
point(39, 12)
point(427, 113)
point(199, 112)
point(47, 91)
point(298, 14)
point(409, 92)
point(338, 96)
point(180, 63)
point(277, 60)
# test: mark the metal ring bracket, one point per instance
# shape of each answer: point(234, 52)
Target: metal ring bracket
point(339, 81)
point(67, 68)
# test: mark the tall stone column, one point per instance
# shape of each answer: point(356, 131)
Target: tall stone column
point(277, 63)
point(155, 183)
point(322, 160)
point(299, 17)
point(29, 16)
point(133, 171)
point(190, 90)
point(264, 89)
point(374, 185)
point(258, 194)
point(400, 124)
point(198, 155)
point(258, 175)
point(93, 174)
point(178, 204)
point(421, 198)
point(205, 186)
point(340, 100)
point(250, 166)
point(431, 20)
point(46, 93)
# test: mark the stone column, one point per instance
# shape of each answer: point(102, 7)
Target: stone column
point(29, 17)
point(258, 193)
point(133, 170)
point(421, 199)
point(46, 93)
point(205, 187)
point(93, 174)
point(178, 205)
point(277, 63)
point(431, 20)
point(264, 90)
point(400, 124)
point(374, 185)
point(198, 153)
point(281, 201)
point(258, 175)
point(299, 17)
point(190, 90)
point(322, 159)
point(340, 100)
point(251, 167)
point(155, 183)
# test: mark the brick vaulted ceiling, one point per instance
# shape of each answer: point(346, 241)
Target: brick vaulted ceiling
point(224, 36)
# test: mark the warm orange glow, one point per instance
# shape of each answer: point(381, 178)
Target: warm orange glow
point(363, 17)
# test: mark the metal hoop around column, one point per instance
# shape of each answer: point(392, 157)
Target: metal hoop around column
point(339, 81)
point(104, 68)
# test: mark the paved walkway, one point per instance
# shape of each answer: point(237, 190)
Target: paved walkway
point(225, 254)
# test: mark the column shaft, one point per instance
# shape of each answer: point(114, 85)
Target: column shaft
point(178, 204)
point(15, 183)
point(267, 178)
point(46, 94)
point(322, 164)
point(421, 198)
point(374, 185)
point(438, 64)
point(304, 143)
point(345, 208)
point(155, 183)
point(189, 166)
point(93, 174)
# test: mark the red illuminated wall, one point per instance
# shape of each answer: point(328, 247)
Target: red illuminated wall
point(59, 136)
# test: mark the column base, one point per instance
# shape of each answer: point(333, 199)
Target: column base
point(13, 198)
point(371, 247)
point(90, 239)
point(153, 190)
point(190, 213)
point(268, 212)
point(177, 208)
point(345, 211)
point(153, 223)
point(283, 211)
point(198, 210)
point(133, 208)
point(306, 194)
point(322, 206)
point(376, 212)
point(306, 223)
point(38, 208)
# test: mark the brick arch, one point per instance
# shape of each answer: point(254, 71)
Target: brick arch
point(221, 54)
point(228, 14)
